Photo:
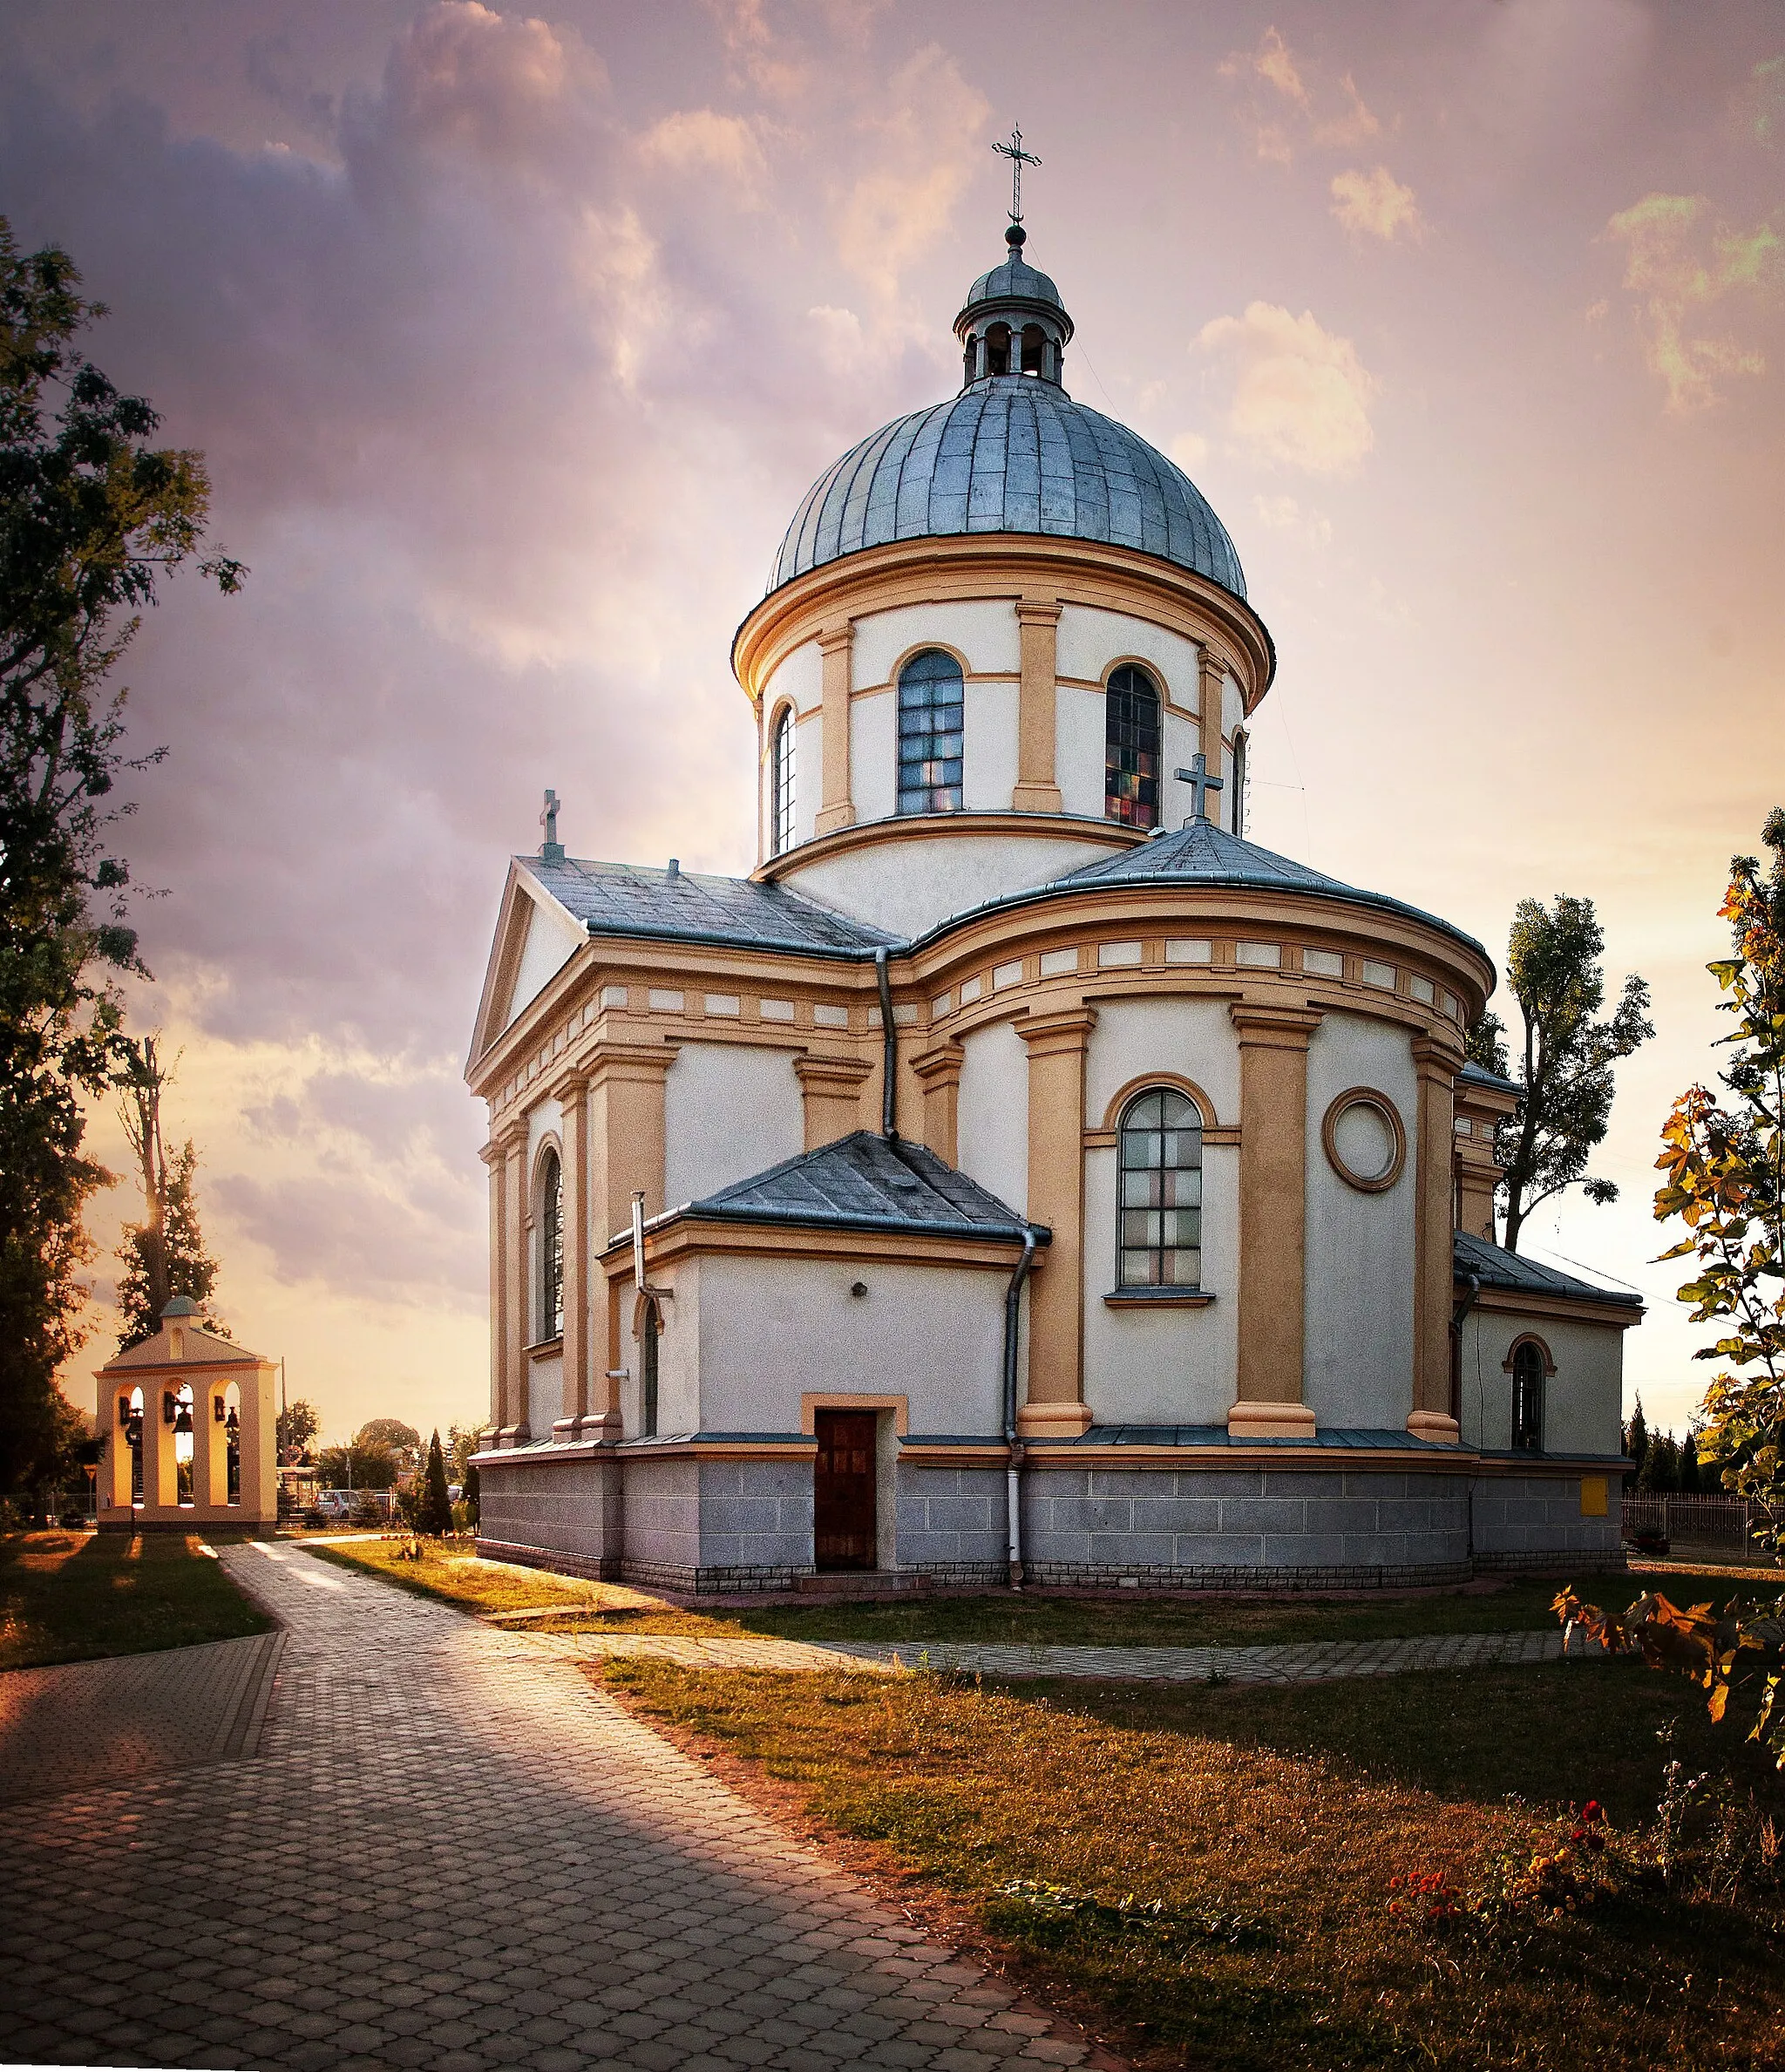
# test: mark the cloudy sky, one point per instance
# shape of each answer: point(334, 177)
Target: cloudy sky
point(514, 337)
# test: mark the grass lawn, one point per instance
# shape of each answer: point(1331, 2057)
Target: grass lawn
point(67, 1597)
point(1208, 1870)
point(454, 1575)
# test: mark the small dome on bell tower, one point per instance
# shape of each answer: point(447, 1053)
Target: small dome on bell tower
point(1013, 322)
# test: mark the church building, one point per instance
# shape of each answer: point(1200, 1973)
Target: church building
point(1020, 1175)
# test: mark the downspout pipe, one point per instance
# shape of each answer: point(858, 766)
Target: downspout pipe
point(1013, 1447)
point(889, 1050)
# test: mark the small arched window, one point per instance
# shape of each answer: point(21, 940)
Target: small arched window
point(647, 1374)
point(1160, 1203)
point(932, 721)
point(1528, 1368)
point(551, 1227)
point(1237, 811)
point(781, 778)
point(1131, 748)
point(998, 349)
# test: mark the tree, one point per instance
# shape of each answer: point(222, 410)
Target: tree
point(359, 1466)
point(403, 1440)
point(1723, 1162)
point(164, 1256)
point(297, 1425)
point(92, 519)
point(1553, 968)
point(434, 1510)
point(1636, 1441)
point(1661, 1467)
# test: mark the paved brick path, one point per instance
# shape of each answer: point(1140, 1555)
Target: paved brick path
point(1308, 1661)
point(449, 1851)
point(91, 1723)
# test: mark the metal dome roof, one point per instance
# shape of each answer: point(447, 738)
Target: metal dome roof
point(1014, 280)
point(1010, 454)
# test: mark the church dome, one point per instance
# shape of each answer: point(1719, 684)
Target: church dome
point(1011, 453)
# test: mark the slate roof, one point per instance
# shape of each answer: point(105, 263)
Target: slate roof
point(1475, 1075)
point(1497, 1267)
point(1014, 280)
point(630, 899)
point(1010, 454)
point(866, 1182)
point(1205, 854)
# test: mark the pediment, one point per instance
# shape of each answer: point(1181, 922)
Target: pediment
point(536, 937)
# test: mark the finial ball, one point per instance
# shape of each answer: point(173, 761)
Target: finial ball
point(1016, 237)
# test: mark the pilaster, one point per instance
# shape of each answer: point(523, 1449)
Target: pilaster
point(1273, 1043)
point(210, 1444)
point(1436, 1063)
point(939, 1074)
point(835, 647)
point(625, 1130)
point(831, 1087)
point(1038, 634)
point(1056, 1044)
point(1212, 671)
point(572, 1093)
point(512, 1416)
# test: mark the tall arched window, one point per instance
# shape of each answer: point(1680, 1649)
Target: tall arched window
point(1237, 811)
point(932, 719)
point(1528, 1369)
point(647, 1374)
point(1131, 748)
point(1160, 1205)
point(781, 784)
point(551, 1228)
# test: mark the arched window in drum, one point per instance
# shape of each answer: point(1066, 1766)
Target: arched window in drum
point(932, 733)
point(1131, 748)
point(1159, 1204)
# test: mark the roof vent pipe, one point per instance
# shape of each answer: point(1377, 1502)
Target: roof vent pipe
point(889, 1050)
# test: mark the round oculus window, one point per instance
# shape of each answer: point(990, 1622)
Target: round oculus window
point(1365, 1142)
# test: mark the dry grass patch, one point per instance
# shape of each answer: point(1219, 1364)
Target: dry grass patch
point(1210, 1871)
point(68, 1597)
point(451, 1572)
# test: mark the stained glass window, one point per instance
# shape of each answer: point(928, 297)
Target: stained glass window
point(550, 1248)
point(1131, 748)
point(1160, 1205)
point(781, 782)
point(932, 717)
point(1528, 1399)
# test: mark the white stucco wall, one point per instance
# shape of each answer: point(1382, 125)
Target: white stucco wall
point(772, 1330)
point(910, 883)
point(981, 632)
point(729, 1111)
point(552, 941)
point(678, 1357)
point(993, 1128)
point(1358, 1313)
point(988, 747)
point(1090, 639)
point(545, 1394)
point(873, 755)
point(1080, 727)
point(1583, 1400)
point(1193, 1038)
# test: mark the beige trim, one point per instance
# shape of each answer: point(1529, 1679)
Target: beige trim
point(1212, 671)
point(1112, 1114)
point(837, 805)
point(1135, 1298)
point(1273, 1043)
point(1037, 790)
point(1529, 1338)
point(1559, 1309)
point(837, 1399)
point(938, 1071)
point(1056, 1045)
point(1435, 1062)
point(690, 1235)
point(1365, 1096)
point(991, 565)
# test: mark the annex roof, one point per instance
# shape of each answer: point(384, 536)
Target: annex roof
point(1475, 1075)
point(1495, 1266)
point(635, 901)
point(866, 1182)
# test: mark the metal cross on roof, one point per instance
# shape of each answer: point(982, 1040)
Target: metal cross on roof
point(1019, 158)
point(551, 849)
point(1201, 784)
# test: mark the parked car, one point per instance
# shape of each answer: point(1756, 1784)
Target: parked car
point(335, 1505)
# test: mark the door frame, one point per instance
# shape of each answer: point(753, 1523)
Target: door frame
point(892, 1421)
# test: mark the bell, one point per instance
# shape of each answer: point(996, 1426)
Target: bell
point(219, 1409)
point(182, 1418)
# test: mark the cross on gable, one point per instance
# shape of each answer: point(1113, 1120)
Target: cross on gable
point(1019, 158)
point(551, 849)
point(1201, 784)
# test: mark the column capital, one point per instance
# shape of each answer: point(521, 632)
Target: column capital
point(1038, 611)
point(816, 1070)
point(1437, 1056)
point(1049, 1036)
point(938, 1066)
point(1263, 1028)
point(626, 1061)
point(569, 1081)
point(835, 636)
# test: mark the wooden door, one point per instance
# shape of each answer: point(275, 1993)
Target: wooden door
point(845, 1526)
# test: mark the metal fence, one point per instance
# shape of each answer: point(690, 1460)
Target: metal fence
point(1699, 1521)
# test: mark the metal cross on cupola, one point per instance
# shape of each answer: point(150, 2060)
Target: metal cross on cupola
point(1019, 158)
point(551, 850)
point(1201, 784)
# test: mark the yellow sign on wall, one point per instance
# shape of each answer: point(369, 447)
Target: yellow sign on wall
point(1593, 1496)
